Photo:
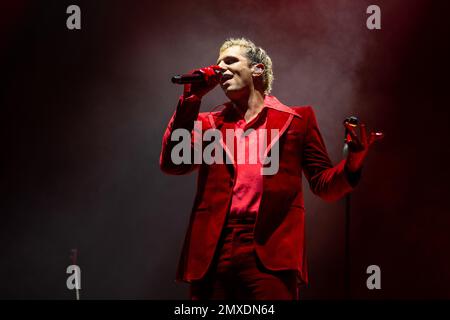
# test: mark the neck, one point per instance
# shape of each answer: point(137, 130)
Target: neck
point(250, 105)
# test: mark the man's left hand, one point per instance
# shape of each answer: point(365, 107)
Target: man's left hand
point(359, 147)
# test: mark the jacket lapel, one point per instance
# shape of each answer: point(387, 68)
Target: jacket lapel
point(277, 123)
point(220, 122)
point(279, 118)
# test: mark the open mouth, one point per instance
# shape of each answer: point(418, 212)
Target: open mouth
point(225, 78)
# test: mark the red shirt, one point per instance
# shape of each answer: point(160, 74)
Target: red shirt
point(248, 186)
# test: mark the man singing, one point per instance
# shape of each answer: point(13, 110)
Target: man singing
point(245, 238)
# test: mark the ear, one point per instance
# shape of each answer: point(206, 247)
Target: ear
point(258, 69)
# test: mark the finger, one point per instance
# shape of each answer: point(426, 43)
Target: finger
point(351, 131)
point(363, 133)
point(353, 146)
point(217, 68)
point(375, 136)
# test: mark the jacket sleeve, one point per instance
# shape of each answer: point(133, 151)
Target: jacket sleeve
point(325, 180)
point(186, 113)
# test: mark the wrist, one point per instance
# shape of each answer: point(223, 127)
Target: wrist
point(354, 161)
point(352, 168)
point(353, 177)
point(192, 96)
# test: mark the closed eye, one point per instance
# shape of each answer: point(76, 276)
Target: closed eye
point(229, 60)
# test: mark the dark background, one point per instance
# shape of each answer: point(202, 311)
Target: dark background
point(83, 113)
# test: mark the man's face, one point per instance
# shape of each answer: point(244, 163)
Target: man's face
point(237, 77)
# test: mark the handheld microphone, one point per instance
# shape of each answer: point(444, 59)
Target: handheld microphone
point(352, 121)
point(188, 78)
point(199, 75)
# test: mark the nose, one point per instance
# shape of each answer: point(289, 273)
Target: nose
point(222, 65)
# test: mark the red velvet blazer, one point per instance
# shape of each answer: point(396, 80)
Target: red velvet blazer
point(279, 228)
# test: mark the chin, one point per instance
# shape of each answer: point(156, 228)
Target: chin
point(233, 94)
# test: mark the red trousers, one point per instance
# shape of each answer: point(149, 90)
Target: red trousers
point(237, 274)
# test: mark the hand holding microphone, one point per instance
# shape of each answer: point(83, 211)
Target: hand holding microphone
point(358, 147)
point(199, 81)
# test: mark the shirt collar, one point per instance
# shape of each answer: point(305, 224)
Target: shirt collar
point(269, 102)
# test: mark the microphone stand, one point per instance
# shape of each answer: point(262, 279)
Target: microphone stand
point(347, 257)
point(73, 258)
point(347, 248)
